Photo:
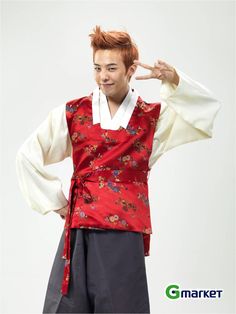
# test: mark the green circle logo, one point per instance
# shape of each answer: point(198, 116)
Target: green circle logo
point(172, 292)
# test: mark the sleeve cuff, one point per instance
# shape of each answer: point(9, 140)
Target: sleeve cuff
point(192, 101)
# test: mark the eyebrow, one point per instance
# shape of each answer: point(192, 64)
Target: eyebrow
point(107, 64)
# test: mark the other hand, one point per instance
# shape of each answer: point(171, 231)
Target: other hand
point(62, 211)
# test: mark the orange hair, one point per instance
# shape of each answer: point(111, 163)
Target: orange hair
point(115, 40)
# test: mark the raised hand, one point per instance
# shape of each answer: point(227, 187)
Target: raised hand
point(161, 71)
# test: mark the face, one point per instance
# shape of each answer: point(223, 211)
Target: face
point(110, 73)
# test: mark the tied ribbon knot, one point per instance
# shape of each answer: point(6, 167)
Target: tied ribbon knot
point(78, 188)
point(84, 192)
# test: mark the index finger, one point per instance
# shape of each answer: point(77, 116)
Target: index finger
point(146, 66)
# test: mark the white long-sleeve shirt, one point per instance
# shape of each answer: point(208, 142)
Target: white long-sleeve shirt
point(187, 114)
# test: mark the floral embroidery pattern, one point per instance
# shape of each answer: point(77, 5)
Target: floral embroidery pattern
point(113, 187)
point(90, 149)
point(152, 122)
point(139, 146)
point(145, 106)
point(128, 160)
point(101, 183)
point(81, 119)
point(77, 136)
point(126, 205)
point(144, 198)
point(93, 163)
point(132, 130)
point(147, 230)
point(70, 108)
point(82, 214)
point(114, 219)
point(107, 138)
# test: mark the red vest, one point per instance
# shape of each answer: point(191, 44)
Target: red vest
point(109, 188)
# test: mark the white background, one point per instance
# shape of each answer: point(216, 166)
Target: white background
point(46, 61)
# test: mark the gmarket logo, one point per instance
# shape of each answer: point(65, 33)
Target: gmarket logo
point(174, 292)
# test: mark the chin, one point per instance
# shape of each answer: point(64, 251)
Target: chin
point(107, 93)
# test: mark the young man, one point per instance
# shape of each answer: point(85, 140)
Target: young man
point(114, 138)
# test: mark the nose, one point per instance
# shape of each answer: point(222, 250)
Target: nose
point(104, 77)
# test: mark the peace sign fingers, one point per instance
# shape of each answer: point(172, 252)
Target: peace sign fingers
point(143, 65)
point(148, 67)
point(161, 71)
point(144, 77)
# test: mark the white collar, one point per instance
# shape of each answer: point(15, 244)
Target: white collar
point(101, 112)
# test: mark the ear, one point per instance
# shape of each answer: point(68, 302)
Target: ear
point(132, 70)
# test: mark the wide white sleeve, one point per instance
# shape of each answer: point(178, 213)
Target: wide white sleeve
point(48, 144)
point(187, 114)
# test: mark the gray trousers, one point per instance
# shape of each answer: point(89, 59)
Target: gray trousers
point(108, 274)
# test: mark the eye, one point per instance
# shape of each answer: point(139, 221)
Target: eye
point(97, 69)
point(111, 69)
